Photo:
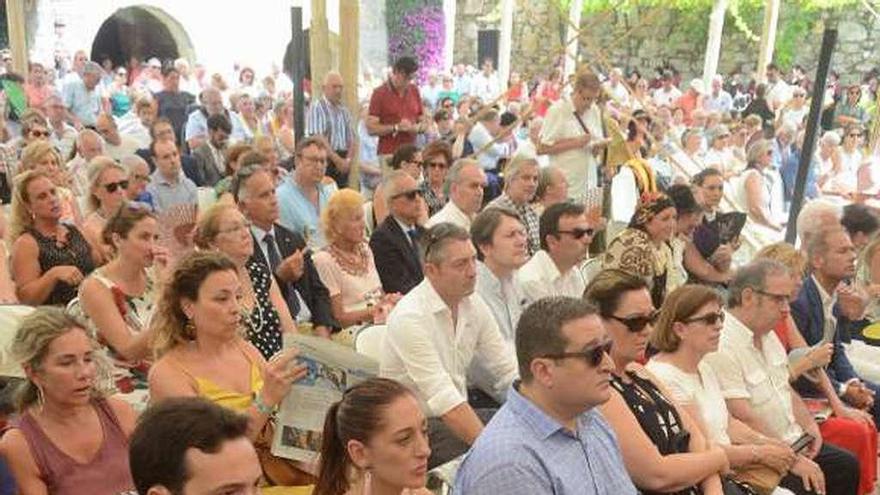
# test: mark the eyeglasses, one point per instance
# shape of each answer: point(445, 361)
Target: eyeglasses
point(39, 134)
point(855, 135)
point(777, 298)
point(434, 164)
point(235, 228)
point(113, 186)
point(578, 233)
point(592, 356)
point(636, 324)
point(709, 319)
point(141, 177)
point(410, 195)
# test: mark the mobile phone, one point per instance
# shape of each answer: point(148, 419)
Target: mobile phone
point(801, 443)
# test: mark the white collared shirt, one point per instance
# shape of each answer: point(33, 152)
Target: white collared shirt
point(450, 213)
point(757, 375)
point(423, 350)
point(828, 302)
point(540, 278)
point(579, 165)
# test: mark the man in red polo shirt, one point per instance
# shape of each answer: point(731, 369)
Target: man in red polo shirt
point(396, 114)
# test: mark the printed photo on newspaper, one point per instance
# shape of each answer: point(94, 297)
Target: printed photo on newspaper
point(332, 368)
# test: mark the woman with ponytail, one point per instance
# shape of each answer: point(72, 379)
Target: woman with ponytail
point(375, 442)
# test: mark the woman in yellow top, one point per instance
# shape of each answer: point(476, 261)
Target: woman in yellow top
point(201, 350)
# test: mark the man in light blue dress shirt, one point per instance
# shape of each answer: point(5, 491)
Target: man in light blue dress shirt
point(549, 438)
point(302, 196)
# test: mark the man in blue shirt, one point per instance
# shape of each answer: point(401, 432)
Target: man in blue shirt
point(548, 438)
point(302, 196)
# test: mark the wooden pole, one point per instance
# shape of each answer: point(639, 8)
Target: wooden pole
point(15, 25)
point(319, 44)
point(349, 36)
point(713, 43)
point(297, 64)
point(449, 9)
point(504, 43)
point(574, 26)
point(768, 38)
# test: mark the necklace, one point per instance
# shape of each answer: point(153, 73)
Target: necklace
point(351, 263)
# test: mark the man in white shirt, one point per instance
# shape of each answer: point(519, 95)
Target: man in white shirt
point(752, 368)
point(116, 145)
point(668, 94)
point(778, 91)
point(88, 145)
point(616, 90)
point(719, 100)
point(484, 132)
point(436, 332)
point(465, 183)
point(573, 135)
point(566, 234)
point(485, 82)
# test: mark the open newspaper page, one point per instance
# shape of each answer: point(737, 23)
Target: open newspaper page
point(332, 368)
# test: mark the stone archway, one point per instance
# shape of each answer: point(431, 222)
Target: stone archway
point(143, 32)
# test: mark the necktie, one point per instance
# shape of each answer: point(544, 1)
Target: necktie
point(413, 235)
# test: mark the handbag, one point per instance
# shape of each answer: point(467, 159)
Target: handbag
point(763, 479)
point(277, 470)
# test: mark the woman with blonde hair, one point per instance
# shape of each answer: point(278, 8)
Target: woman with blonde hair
point(69, 438)
point(346, 263)
point(202, 352)
point(41, 156)
point(49, 258)
point(108, 183)
point(223, 228)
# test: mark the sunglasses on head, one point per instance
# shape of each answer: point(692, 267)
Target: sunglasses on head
point(592, 356)
point(410, 195)
point(579, 233)
point(709, 319)
point(636, 324)
point(113, 186)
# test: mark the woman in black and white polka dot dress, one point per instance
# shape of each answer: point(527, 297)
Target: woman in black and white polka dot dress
point(264, 313)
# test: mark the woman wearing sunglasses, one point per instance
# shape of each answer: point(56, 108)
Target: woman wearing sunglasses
point(663, 447)
point(688, 328)
point(107, 186)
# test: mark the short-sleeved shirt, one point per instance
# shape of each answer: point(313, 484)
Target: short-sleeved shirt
point(391, 107)
point(166, 193)
point(84, 104)
point(355, 289)
point(523, 450)
point(299, 214)
point(759, 376)
point(331, 121)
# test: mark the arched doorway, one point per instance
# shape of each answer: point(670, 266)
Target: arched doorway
point(141, 32)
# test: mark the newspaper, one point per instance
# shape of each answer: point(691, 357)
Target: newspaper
point(332, 368)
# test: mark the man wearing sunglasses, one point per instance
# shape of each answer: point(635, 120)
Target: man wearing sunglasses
point(566, 234)
point(395, 242)
point(548, 437)
point(752, 368)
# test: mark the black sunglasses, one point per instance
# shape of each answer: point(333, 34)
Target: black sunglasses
point(592, 356)
point(578, 232)
point(113, 186)
point(709, 319)
point(410, 195)
point(636, 324)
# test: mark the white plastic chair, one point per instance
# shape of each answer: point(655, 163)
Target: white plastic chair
point(10, 319)
point(591, 268)
point(368, 218)
point(368, 341)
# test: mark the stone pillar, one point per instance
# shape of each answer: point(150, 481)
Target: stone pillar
point(349, 44)
point(768, 38)
point(504, 43)
point(449, 8)
point(319, 44)
point(571, 51)
point(15, 22)
point(713, 44)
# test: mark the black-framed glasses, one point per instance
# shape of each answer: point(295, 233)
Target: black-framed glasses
point(113, 186)
point(709, 319)
point(578, 233)
point(410, 195)
point(592, 356)
point(777, 298)
point(636, 324)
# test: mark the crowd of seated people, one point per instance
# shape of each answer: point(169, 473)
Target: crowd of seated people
point(577, 287)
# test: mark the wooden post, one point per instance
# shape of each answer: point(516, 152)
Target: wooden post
point(449, 8)
point(349, 38)
point(504, 43)
point(15, 25)
point(768, 38)
point(319, 44)
point(296, 62)
point(571, 50)
point(713, 43)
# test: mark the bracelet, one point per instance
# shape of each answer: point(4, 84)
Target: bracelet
point(261, 406)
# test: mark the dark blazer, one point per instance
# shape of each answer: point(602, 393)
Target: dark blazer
point(397, 261)
point(810, 319)
point(309, 285)
point(187, 164)
point(207, 167)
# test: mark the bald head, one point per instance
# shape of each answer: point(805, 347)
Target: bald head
point(89, 144)
point(106, 127)
point(333, 87)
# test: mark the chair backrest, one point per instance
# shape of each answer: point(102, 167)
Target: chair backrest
point(10, 319)
point(591, 268)
point(368, 341)
point(370, 226)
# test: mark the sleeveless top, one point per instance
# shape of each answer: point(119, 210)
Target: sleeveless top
point(657, 417)
point(263, 324)
point(107, 473)
point(76, 252)
point(230, 399)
